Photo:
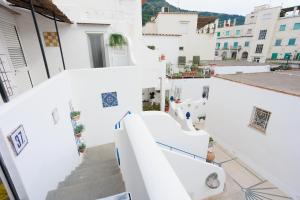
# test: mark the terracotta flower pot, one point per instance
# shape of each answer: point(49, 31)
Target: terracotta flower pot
point(210, 156)
point(81, 150)
point(167, 108)
point(78, 135)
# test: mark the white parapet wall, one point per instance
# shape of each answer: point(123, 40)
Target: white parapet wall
point(240, 69)
point(166, 130)
point(193, 174)
point(146, 171)
point(273, 154)
point(51, 153)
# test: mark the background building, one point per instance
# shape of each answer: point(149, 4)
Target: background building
point(268, 34)
point(176, 35)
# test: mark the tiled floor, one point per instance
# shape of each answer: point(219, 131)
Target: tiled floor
point(243, 183)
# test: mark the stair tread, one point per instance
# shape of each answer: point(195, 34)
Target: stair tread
point(98, 176)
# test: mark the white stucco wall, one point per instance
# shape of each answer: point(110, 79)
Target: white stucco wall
point(166, 45)
point(51, 152)
point(240, 69)
point(166, 130)
point(190, 88)
point(274, 154)
point(159, 178)
point(87, 86)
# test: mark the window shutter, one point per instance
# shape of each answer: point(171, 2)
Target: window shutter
point(13, 44)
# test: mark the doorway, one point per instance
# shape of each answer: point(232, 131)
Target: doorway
point(97, 50)
point(233, 55)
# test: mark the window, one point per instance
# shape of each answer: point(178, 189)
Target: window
point(298, 56)
point(262, 34)
point(287, 56)
point(181, 60)
point(297, 26)
point(181, 48)
point(227, 33)
point(247, 44)
point(278, 42)
point(292, 41)
point(151, 47)
point(259, 119)
point(218, 45)
point(196, 60)
point(97, 49)
point(238, 32)
point(274, 56)
point(184, 26)
point(282, 27)
point(216, 53)
point(205, 92)
point(249, 31)
point(259, 48)
point(218, 34)
point(235, 45)
point(225, 45)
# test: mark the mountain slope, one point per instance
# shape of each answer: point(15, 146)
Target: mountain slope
point(152, 7)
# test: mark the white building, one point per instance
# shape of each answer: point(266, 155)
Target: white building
point(268, 33)
point(42, 154)
point(85, 42)
point(253, 116)
point(178, 37)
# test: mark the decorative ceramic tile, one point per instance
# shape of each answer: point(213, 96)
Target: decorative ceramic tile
point(109, 99)
point(51, 39)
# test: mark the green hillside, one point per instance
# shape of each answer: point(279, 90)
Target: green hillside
point(152, 7)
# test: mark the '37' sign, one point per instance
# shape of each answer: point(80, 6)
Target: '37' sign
point(18, 139)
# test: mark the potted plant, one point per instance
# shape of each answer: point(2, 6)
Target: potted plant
point(81, 147)
point(78, 130)
point(117, 40)
point(210, 154)
point(167, 104)
point(75, 115)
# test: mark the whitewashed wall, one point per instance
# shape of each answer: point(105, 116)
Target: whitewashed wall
point(191, 88)
point(239, 69)
point(193, 173)
point(87, 86)
point(275, 154)
point(166, 130)
point(148, 161)
point(166, 45)
point(39, 168)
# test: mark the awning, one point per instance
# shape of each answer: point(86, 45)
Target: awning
point(43, 7)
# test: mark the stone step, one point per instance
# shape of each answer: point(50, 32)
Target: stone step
point(89, 190)
point(89, 175)
point(99, 165)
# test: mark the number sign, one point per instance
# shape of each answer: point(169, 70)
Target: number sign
point(18, 139)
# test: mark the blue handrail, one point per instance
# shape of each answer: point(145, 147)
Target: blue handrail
point(188, 153)
point(118, 124)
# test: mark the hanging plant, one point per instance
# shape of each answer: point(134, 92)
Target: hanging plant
point(117, 40)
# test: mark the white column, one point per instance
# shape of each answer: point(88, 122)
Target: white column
point(162, 93)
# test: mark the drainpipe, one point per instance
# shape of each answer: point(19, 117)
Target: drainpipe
point(58, 37)
point(40, 39)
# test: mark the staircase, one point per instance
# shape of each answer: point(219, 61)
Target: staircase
point(98, 176)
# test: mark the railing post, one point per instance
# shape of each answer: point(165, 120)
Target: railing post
point(39, 38)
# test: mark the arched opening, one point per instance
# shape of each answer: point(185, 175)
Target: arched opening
point(245, 55)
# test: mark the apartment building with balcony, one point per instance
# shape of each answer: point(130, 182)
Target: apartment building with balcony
point(262, 37)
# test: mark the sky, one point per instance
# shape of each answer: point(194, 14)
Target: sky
point(241, 7)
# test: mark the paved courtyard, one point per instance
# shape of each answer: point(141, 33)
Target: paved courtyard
point(242, 182)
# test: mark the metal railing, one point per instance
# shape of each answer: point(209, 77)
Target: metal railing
point(171, 148)
point(118, 124)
